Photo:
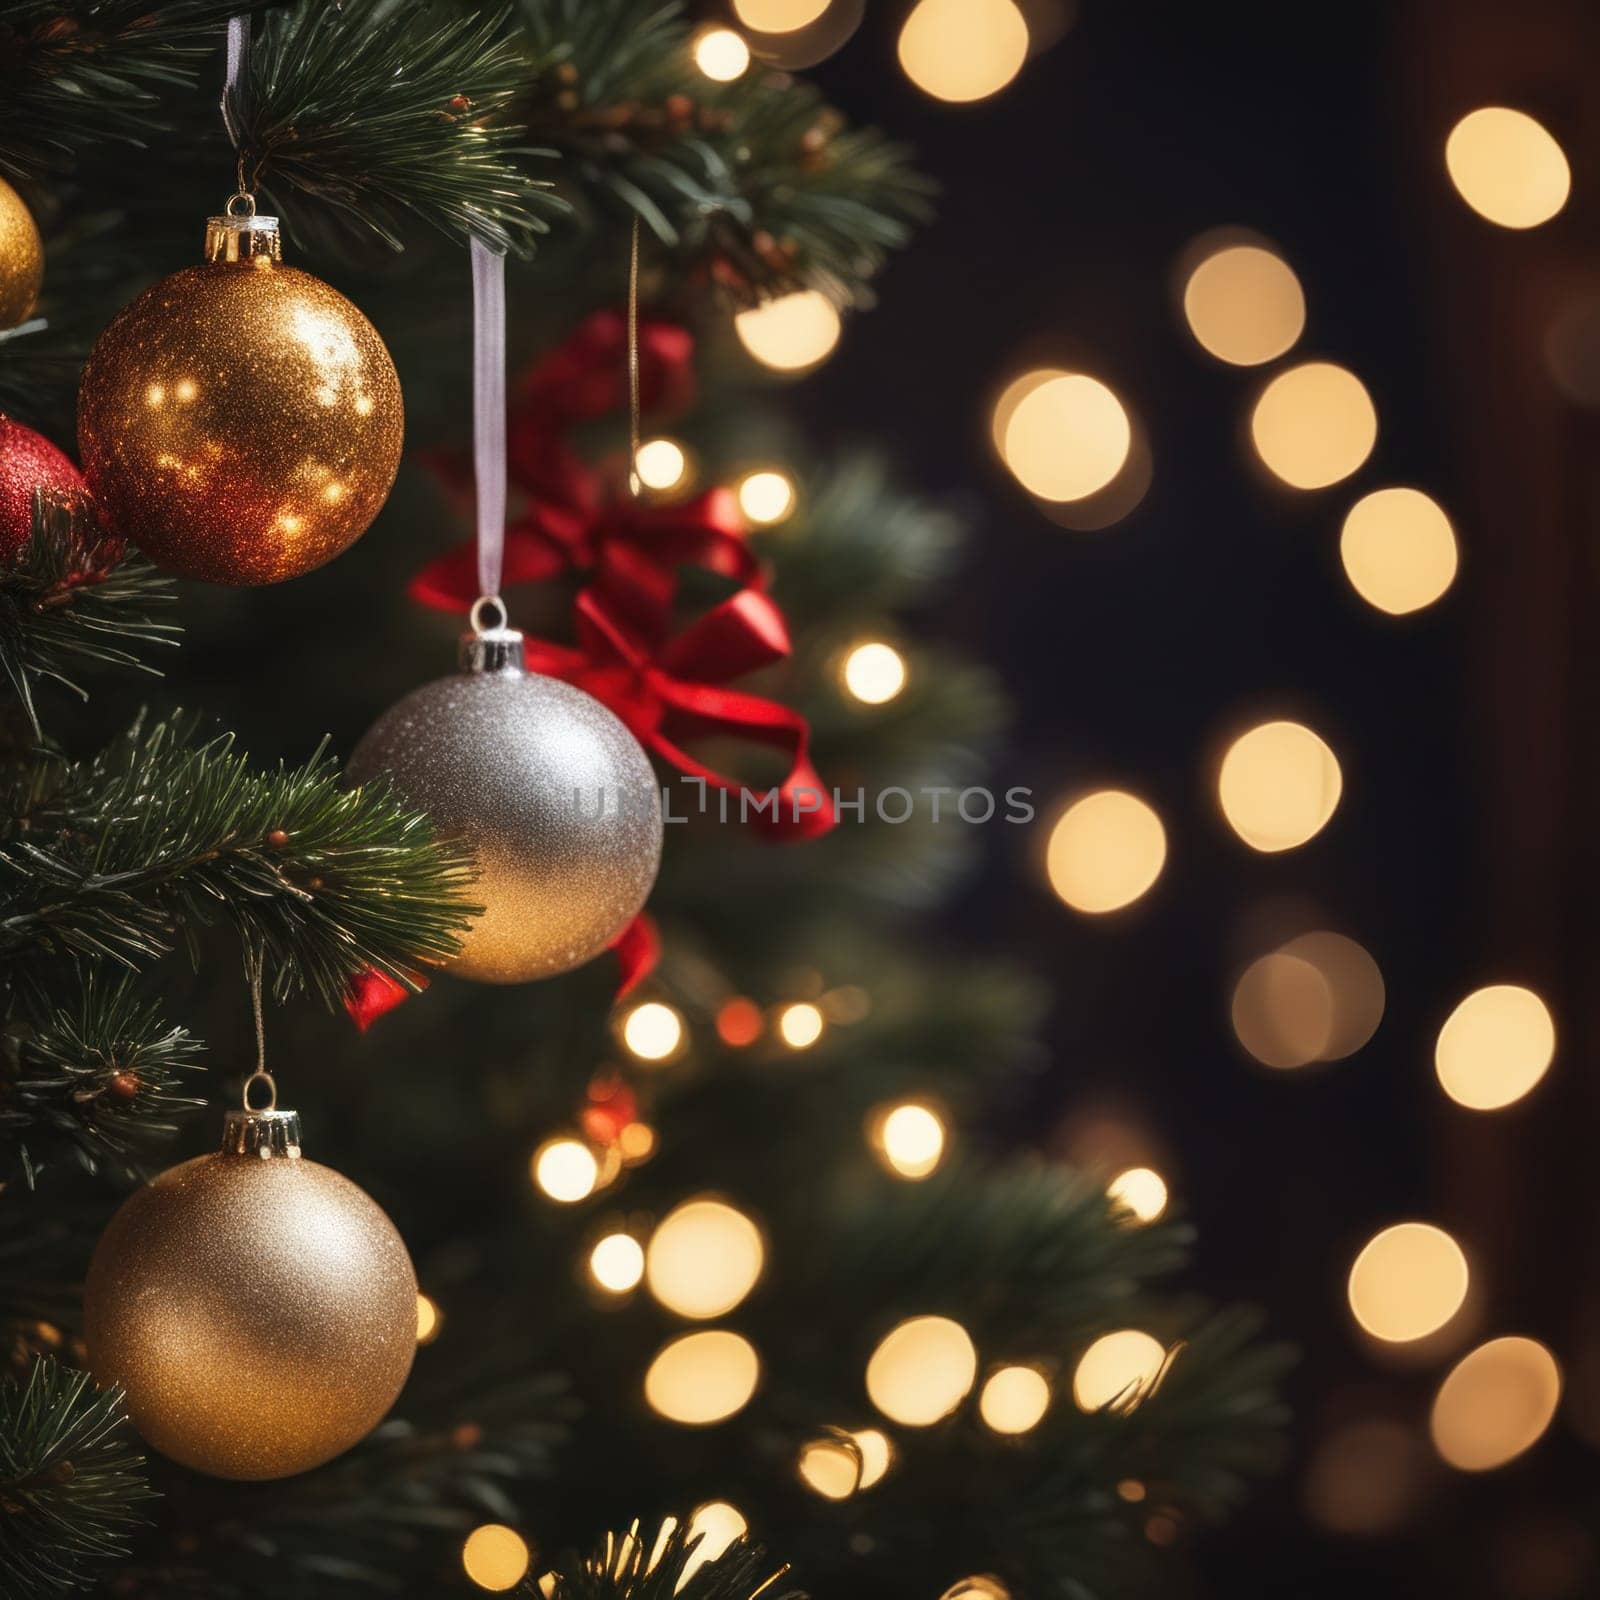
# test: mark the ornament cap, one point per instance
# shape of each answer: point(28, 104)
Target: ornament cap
point(267, 1135)
point(242, 235)
point(492, 650)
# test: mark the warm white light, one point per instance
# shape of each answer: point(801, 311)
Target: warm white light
point(800, 1025)
point(1244, 304)
point(1014, 1399)
point(1398, 549)
point(1279, 785)
point(660, 463)
point(792, 332)
point(962, 50)
point(495, 1557)
point(1105, 851)
point(1140, 1192)
point(653, 1031)
point(922, 1371)
point(831, 1467)
point(911, 1139)
point(1118, 1370)
point(875, 1455)
point(722, 54)
point(429, 1321)
point(1065, 437)
point(766, 497)
point(703, 1377)
point(617, 1263)
point(1494, 1047)
point(874, 673)
point(703, 1259)
point(1496, 1402)
point(566, 1169)
point(1507, 167)
point(1314, 425)
point(716, 1525)
point(1408, 1282)
point(778, 16)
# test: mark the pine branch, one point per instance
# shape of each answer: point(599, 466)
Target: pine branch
point(95, 1076)
point(634, 1566)
point(161, 835)
point(76, 596)
point(69, 1482)
point(384, 108)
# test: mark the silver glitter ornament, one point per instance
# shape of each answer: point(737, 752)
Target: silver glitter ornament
point(554, 795)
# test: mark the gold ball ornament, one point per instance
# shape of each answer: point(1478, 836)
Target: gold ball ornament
point(21, 258)
point(241, 422)
point(258, 1310)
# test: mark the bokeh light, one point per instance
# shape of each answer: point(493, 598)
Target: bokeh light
point(874, 673)
point(617, 1263)
point(1139, 1193)
point(1495, 1403)
point(636, 1142)
point(876, 1454)
point(566, 1170)
point(1507, 167)
point(703, 1377)
point(716, 1525)
point(1105, 851)
point(1408, 1281)
point(1494, 1047)
point(1118, 1370)
point(660, 463)
point(1066, 435)
point(1572, 346)
point(791, 332)
point(1314, 424)
point(778, 16)
point(1366, 1477)
point(963, 50)
point(981, 1586)
point(1014, 1399)
point(1244, 304)
point(429, 1320)
point(922, 1371)
point(800, 1025)
point(703, 1259)
point(495, 1557)
point(910, 1139)
point(1318, 998)
point(1278, 785)
point(766, 496)
point(739, 1022)
point(721, 54)
point(653, 1031)
point(1398, 550)
point(832, 1467)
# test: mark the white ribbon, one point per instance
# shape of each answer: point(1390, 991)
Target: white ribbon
point(489, 409)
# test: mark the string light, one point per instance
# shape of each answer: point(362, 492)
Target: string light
point(1066, 435)
point(617, 1263)
point(910, 1139)
point(636, 1142)
point(566, 1170)
point(876, 1454)
point(963, 50)
point(1278, 786)
point(981, 1586)
point(1319, 998)
point(1495, 1403)
point(791, 332)
point(1494, 1047)
point(495, 1557)
point(716, 1524)
point(874, 673)
point(653, 1031)
point(1015, 1399)
point(1408, 1281)
point(703, 1259)
point(800, 1025)
point(702, 1378)
point(1398, 550)
point(429, 1320)
point(1507, 167)
point(721, 54)
point(832, 1467)
point(778, 16)
point(1118, 1370)
point(739, 1022)
point(660, 463)
point(1314, 425)
point(922, 1370)
point(1140, 1192)
point(1244, 304)
point(1105, 851)
point(766, 497)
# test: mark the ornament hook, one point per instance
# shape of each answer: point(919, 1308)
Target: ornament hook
point(485, 607)
point(260, 1075)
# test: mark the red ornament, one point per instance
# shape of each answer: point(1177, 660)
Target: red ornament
point(123, 1085)
point(28, 461)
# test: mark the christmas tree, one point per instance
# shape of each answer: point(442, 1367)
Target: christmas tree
point(717, 1272)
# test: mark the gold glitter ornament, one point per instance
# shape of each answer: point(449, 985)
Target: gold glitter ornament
point(21, 258)
point(241, 422)
point(259, 1310)
point(555, 796)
